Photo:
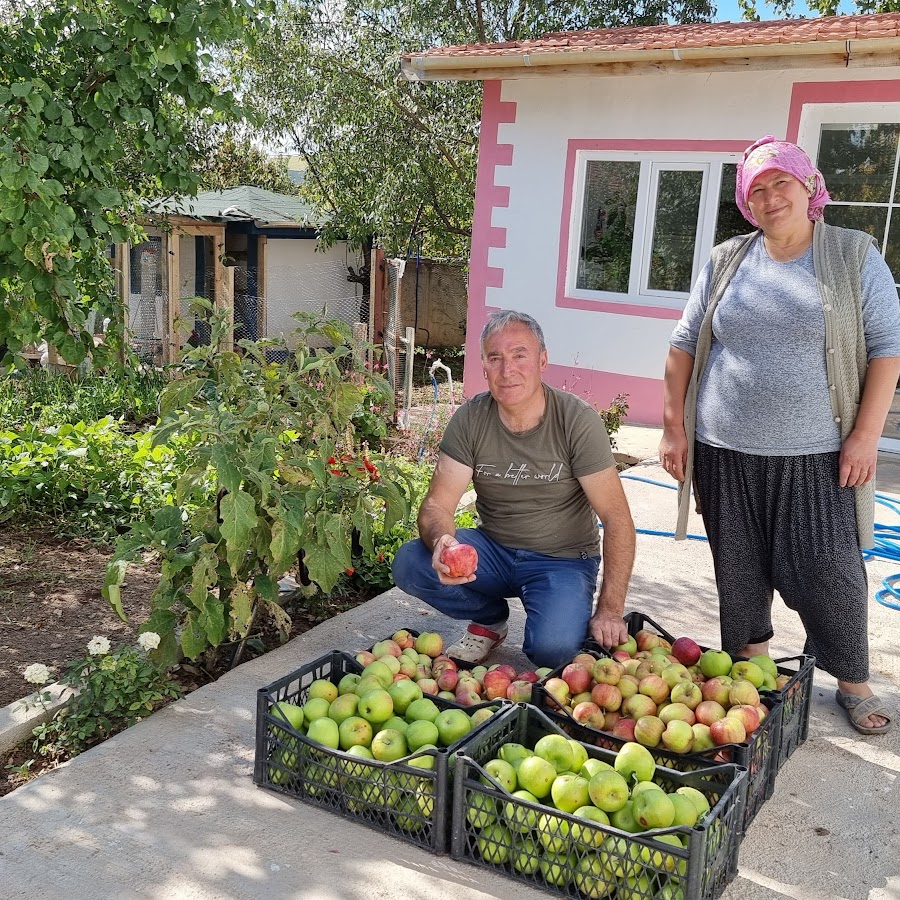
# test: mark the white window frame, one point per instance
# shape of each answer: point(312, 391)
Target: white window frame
point(651, 164)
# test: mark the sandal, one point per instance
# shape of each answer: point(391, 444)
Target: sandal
point(859, 709)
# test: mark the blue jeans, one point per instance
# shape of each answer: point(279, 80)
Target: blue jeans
point(557, 593)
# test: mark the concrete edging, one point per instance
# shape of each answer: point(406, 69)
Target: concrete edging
point(21, 717)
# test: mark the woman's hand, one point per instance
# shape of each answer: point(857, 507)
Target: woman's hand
point(859, 454)
point(673, 451)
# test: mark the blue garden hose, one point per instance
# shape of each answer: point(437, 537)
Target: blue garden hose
point(887, 542)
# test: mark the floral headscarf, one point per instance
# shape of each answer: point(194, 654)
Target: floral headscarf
point(768, 153)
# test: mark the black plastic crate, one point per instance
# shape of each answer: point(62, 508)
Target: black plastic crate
point(541, 848)
point(796, 695)
point(406, 801)
point(758, 754)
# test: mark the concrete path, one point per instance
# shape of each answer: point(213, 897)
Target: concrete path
point(167, 810)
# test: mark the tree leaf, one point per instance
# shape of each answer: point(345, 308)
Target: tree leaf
point(238, 521)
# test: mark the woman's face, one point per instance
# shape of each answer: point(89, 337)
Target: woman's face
point(779, 201)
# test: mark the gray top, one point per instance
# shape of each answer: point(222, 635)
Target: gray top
point(765, 389)
point(529, 497)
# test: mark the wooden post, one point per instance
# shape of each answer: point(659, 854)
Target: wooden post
point(378, 281)
point(171, 339)
point(261, 287)
point(123, 284)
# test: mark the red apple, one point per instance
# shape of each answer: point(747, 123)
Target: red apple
point(558, 690)
point(607, 671)
point(647, 640)
point(716, 689)
point(709, 711)
point(519, 691)
point(607, 696)
point(508, 670)
point(577, 677)
point(531, 677)
point(624, 728)
point(496, 684)
point(610, 719)
point(729, 730)
point(461, 559)
point(686, 651)
point(654, 687)
point(589, 714)
point(748, 716)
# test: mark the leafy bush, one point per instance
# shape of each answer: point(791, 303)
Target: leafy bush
point(38, 397)
point(89, 479)
point(291, 480)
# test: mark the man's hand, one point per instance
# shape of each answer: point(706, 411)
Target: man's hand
point(444, 541)
point(608, 630)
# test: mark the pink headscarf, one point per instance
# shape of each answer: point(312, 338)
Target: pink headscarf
point(768, 153)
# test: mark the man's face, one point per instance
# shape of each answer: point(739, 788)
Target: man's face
point(513, 364)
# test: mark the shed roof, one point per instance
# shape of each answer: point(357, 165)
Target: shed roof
point(844, 40)
point(243, 204)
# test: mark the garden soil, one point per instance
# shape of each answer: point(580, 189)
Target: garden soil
point(51, 604)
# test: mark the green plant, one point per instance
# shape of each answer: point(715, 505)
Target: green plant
point(278, 441)
point(614, 414)
point(112, 690)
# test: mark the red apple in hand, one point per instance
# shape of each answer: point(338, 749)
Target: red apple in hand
point(461, 559)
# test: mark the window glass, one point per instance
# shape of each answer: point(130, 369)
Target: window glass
point(865, 218)
point(858, 161)
point(729, 221)
point(675, 230)
point(607, 231)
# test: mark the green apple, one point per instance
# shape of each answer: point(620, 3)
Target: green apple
point(569, 792)
point(392, 662)
point(587, 835)
point(520, 818)
point(553, 832)
point(379, 670)
point(557, 750)
point(653, 809)
point(624, 820)
point(397, 724)
point(526, 857)
point(354, 731)
point(343, 707)
point(608, 791)
point(481, 811)
point(288, 712)
point(630, 646)
point(425, 708)
point(502, 772)
point(389, 745)
point(635, 762)
point(766, 663)
point(403, 693)
point(481, 715)
point(749, 671)
point(494, 844)
point(685, 811)
point(324, 731)
point(536, 775)
point(347, 685)
point(592, 766)
point(558, 869)
point(593, 879)
point(514, 753)
point(715, 662)
point(452, 725)
point(421, 732)
point(427, 760)
point(366, 684)
point(696, 797)
point(642, 786)
point(376, 706)
point(322, 687)
point(316, 708)
point(580, 755)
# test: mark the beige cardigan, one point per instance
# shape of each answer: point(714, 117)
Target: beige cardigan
point(838, 257)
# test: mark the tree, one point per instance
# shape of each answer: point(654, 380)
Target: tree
point(391, 157)
point(102, 103)
point(235, 161)
point(787, 9)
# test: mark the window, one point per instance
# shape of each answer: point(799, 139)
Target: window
point(860, 163)
point(646, 226)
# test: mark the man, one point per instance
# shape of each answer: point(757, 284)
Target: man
point(541, 465)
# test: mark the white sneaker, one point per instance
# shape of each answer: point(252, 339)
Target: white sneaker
point(476, 644)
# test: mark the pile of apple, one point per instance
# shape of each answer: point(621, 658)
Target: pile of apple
point(675, 696)
point(422, 660)
point(558, 775)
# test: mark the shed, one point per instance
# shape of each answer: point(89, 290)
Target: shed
point(606, 172)
point(253, 252)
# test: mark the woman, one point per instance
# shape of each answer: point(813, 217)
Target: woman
point(778, 381)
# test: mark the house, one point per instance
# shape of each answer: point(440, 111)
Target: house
point(251, 251)
point(607, 162)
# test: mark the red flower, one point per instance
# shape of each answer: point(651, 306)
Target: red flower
point(336, 472)
point(332, 461)
point(349, 571)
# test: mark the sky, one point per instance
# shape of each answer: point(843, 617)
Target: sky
point(727, 10)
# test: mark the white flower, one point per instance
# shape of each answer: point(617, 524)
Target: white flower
point(98, 646)
point(37, 673)
point(149, 640)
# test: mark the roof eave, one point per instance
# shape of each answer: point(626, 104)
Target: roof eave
point(474, 67)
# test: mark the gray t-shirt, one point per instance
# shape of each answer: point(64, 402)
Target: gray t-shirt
point(765, 389)
point(529, 497)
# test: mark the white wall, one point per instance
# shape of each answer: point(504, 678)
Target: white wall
point(299, 276)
